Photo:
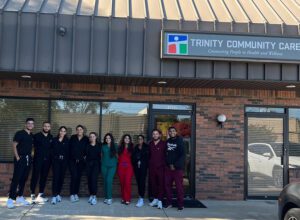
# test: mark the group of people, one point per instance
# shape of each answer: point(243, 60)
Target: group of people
point(163, 159)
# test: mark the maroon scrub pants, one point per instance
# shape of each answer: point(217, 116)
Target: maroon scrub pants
point(156, 177)
point(177, 177)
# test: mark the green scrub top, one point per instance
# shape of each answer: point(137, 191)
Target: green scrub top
point(106, 159)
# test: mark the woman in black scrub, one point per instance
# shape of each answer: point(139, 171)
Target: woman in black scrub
point(140, 159)
point(78, 143)
point(60, 154)
point(93, 164)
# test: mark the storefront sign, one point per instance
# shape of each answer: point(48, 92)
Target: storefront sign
point(182, 45)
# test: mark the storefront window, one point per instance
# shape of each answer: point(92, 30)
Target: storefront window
point(73, 113)
point(294, 138)
point(172, 107)
point(264, 109)
point(121, 118)
point(13, 113)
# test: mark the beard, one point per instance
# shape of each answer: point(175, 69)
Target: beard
point(46, 132)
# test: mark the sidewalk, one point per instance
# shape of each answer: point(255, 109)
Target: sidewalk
point(216, 210)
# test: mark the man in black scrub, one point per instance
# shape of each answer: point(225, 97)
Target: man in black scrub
point(78, 143)
point(41, 162)
point(22, 147)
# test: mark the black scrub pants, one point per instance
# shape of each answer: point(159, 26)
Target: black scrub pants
point(140, 176)
point(20, 175)
point(93, 170)
point(59, 167)
point(76, 168)
point(40, 170)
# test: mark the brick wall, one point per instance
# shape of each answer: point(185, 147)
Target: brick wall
point(294, 175)
point(219, 151)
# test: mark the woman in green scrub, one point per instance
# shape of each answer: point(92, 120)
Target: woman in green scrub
point(108, 166)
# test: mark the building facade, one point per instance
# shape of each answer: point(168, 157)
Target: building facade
point(100, 64)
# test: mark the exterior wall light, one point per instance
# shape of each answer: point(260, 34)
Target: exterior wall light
point(221, 119)
point(62, 31)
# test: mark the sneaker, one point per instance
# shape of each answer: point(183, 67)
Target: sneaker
point(109, 202)
point(76, 198)
point(180, 209)
point(94, 200)
point(154, 202)
point(167, 206)
point(159, 204)
point(22, 201)
point(127, 203)
point(90, 199)
point(123, 202)
point(140, 203)
point(105, 201)
point(72, 198)
point(54, 200)
point(41, 198)
point(10, 203)
point(58, 198)
point(32, 196)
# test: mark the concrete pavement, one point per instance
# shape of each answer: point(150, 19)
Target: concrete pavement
point(216, 210)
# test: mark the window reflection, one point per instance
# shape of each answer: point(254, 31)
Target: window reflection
point(121, 118)
point(294, 138)
point(73, 113)
point(13, 113)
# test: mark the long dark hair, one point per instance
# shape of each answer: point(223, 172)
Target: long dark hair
point(113, 150)
point(122, 144)
point(61, 127)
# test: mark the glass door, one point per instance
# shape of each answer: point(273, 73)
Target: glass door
point(183, 122)
point(265, 156)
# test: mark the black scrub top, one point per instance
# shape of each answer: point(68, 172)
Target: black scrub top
point(25, 142)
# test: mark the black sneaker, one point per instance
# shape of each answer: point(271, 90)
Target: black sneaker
point(180, 209)
point(122, 202)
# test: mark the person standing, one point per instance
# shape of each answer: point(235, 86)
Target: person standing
point(78, 143)
point(140, 157)
point(93, 164)
point(41, 162)
point(60, 155)
point(125, 169)
point(108, 165)
point(22, 147)
point(157, 149)
point(175, 157)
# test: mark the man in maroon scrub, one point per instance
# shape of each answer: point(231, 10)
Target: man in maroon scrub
point(157, 163)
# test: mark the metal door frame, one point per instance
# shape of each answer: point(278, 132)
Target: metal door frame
point(284, 117)
point(191, 113)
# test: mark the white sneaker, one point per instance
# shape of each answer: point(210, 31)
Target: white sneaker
point(41, 199)
point(76, 198)
point(32, 196)
point(22, 201)
point(154, 202)
point(109, 202)
point(94, 200)
point(54, 200)
point(105, 201)
point(58, 198)
point(72, 198)
point(140, 203)
point(10, 203)
point(90, 199)
point(159, 205)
